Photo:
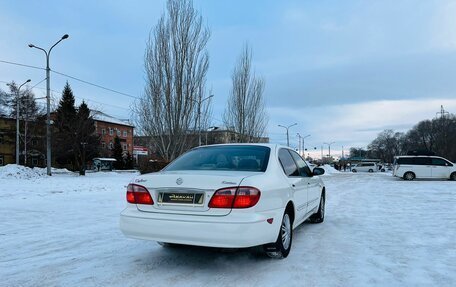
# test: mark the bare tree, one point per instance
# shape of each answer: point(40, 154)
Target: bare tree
point(245, 112)
point(176, 63)
point(4, 97)
point(28, 113)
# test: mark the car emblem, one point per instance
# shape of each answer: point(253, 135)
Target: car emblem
point(179, 181)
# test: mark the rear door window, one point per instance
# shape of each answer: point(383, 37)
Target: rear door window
point(304, 170)
point(439, 162)
point(288, 164)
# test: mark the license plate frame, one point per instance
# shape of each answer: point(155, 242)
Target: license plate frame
point(181, 198)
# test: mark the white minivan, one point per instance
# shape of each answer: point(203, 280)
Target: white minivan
point(411, 167)
point(365, 167)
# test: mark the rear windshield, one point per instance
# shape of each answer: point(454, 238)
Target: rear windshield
point(232, 157)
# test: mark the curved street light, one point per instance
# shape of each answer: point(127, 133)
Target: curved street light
point(287, 128)
point(303, 145)
point(48, 101)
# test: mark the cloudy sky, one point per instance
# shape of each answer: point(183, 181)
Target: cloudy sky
point(342, 70)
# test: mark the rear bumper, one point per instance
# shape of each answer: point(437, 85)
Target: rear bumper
point(235, 230)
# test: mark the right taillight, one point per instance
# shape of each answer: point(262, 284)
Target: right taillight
point(235, 197)
point(138, 194)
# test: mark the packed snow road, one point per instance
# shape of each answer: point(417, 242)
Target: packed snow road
point(378, 231)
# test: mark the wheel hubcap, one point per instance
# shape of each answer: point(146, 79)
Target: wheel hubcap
point(286, 231)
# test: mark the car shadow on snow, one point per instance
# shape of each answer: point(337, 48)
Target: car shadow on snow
point(176, 256)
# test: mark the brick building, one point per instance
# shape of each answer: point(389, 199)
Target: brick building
point(108, 128)
point(34, 148)
point(7, 141)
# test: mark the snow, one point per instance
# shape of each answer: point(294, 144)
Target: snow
point(23, 172)
point(329, 170)
point(100, 116)
point(379, 231)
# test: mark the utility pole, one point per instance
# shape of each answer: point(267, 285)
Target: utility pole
point(329, 148)
point(303, 145)
point(299, 142)
point(442, 112)
point(200, 101)
point(48, 102)
point(18, 105)
point(287, 128)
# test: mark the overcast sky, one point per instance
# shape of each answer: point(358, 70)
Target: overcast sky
point(342, 70)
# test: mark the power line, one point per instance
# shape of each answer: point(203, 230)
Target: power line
point(38, 83)
point(95, 85)
point(22, 65)
point(71, 77)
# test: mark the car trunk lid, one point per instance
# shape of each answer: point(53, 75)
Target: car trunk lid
point(187, 192)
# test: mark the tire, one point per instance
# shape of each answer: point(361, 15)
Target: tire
point(453, 176)
point(371, 170)
point(319, 217)
point(281, 248)
point(409, 175)
point(354, 170)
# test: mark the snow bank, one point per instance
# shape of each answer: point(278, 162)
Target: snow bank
point(23, 172)
point(329, 169)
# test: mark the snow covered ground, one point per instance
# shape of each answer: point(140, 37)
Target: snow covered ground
point(378, 231)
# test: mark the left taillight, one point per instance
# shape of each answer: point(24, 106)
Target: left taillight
point(138, 194)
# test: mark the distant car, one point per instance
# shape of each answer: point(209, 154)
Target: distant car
point(365, 167)
point(411, 167)
point(229, 196)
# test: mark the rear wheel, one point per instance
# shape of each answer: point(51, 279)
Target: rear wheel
point(371, 170)
point(453, 176)
point(409, 175)
point(319, 217)
point(281, 248)
point(354, 170)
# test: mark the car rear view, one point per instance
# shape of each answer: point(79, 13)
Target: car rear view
point(200, 199)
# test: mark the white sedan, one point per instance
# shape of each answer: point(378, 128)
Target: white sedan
point(230, 196)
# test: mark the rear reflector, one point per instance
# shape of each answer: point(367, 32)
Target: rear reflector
point(235, 197)
point(138, 194)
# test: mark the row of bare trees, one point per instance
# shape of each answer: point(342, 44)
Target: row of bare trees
point(29, 113)
point(437, 135)
point(176, 105)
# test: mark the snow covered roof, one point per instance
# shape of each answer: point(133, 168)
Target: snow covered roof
point(100, 116)
point(105, 159)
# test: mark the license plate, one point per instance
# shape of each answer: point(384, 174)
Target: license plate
point(181, 198)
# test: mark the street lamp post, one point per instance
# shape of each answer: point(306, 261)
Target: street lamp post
point(303, 143)
point(303, 146)
point(48, 102)
point(17, 118)
point(200, 101)
point(288, 127)
point(329, 148)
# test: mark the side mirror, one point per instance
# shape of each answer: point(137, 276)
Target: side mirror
point(318, 171)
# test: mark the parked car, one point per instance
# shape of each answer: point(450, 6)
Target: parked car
point(365, 167)
point(411, 167)
point(228, 196)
